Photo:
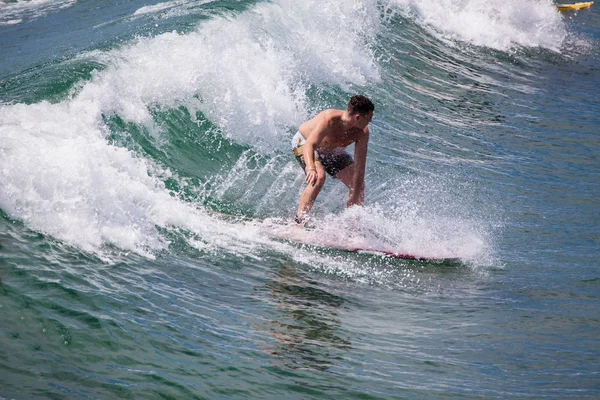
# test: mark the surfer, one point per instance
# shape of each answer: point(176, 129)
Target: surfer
point(320, 147)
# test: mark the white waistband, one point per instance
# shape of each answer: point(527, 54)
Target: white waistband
point(298, 140)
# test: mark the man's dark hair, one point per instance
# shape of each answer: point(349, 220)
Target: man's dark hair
point(360, 104)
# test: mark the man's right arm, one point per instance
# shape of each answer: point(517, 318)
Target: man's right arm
point(312, 142)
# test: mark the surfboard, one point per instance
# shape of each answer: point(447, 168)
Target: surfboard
point(302, 236)
point(574, 6)
point(391, 254)
point(289, 231)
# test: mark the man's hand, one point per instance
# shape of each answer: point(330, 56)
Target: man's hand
point(311, 176)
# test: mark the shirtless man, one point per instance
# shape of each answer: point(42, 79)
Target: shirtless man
point(320, 145)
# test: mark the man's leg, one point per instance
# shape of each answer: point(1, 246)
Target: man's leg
point(347, 176)
point(310, 193)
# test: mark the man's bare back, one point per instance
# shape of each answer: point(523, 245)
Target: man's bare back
point(319, 149)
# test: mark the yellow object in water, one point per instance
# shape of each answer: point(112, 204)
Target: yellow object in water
point(574, 6)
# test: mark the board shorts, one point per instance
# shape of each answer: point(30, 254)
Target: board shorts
point(333, 161)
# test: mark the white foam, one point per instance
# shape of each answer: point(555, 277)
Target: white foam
point(498, 24)
point(20, 11)
point(11, 22)
point(246, 73)
point(158, 7)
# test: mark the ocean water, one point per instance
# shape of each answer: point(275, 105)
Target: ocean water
point(145, 177)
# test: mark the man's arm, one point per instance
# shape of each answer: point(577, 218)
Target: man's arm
point(357, 194)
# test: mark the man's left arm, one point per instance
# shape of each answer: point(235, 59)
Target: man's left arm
point(357, 194)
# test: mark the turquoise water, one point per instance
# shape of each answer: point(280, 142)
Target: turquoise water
point(145, 181)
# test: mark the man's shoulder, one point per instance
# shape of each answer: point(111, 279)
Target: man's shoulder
point(331, 115)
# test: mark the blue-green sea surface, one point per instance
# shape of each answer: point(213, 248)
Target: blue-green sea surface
point(147, 188)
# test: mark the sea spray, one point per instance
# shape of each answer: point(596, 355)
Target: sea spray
point(498, 24)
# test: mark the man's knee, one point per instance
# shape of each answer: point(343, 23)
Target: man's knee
point(320, 180)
